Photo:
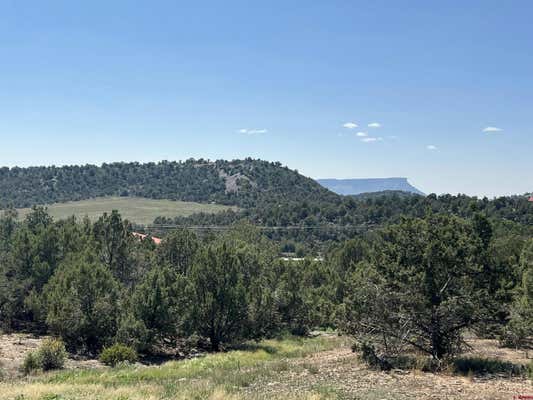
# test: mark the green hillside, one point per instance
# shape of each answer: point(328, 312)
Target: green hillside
point(244, 183)
point(135, 209)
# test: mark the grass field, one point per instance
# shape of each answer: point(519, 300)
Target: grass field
point(135, 209)
point(317, 368)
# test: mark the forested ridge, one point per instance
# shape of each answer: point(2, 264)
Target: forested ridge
point(268, 193)
point(245, 183)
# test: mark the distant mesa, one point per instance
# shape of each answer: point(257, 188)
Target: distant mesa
point(358, 186)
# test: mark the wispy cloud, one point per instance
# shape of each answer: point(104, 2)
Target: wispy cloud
point(350, 125)
point(431, 147)
point(371, 139)
point(252, 131)
point(492, 129)
point(374, 125)
point(361, 134)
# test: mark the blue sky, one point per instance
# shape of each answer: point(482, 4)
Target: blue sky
point(101, 81)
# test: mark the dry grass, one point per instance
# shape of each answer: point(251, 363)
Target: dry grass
point(491, 349)
point(311, 369)
point(135, 209)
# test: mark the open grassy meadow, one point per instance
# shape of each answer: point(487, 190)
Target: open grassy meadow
point(322, 367)
point(135, 209)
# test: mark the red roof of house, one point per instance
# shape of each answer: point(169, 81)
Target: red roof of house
point(531, 199)
point(142, 236)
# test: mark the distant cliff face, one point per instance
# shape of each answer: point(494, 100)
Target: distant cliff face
point(358, 186)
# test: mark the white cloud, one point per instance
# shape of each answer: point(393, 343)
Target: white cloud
point(374, 125)
point(371, 139)
point(492, 129)
point(350, 125)
point(252, 131)
point(361, 134)
point(431, 147)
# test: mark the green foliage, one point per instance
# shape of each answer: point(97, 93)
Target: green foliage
point(118, 353)
point(419, 283)
point(305, 296)
point(24, 187)
point(30, 363)
point(519, 330)
point(114, 244)
point(83, 304)
point(178, 250)
point(421, 291)
point(50, 355)
point(158, 302)
point(133, 333)
point(218, 309)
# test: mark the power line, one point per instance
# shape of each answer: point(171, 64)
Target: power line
point(265, 228)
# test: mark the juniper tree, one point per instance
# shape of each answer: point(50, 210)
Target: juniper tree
point(421, 290)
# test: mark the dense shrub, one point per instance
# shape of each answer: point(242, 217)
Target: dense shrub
point(118, 353)
point(82, 305)
point(158, 302)
point(50, 355)
point(133, 333)
point(30, 363)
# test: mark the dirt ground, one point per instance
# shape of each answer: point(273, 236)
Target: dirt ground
point(340, 374)
point(15, 346)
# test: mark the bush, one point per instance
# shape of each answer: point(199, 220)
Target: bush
point(30, 363)
point(118, 353)
point(50, 355)
point(82, 305)
point(133, 333)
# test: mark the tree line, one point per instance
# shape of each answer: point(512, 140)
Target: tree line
point(413, 285)
point(345, 217)
point(94, 284)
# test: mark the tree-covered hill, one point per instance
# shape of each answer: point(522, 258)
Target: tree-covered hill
point(245, 183)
